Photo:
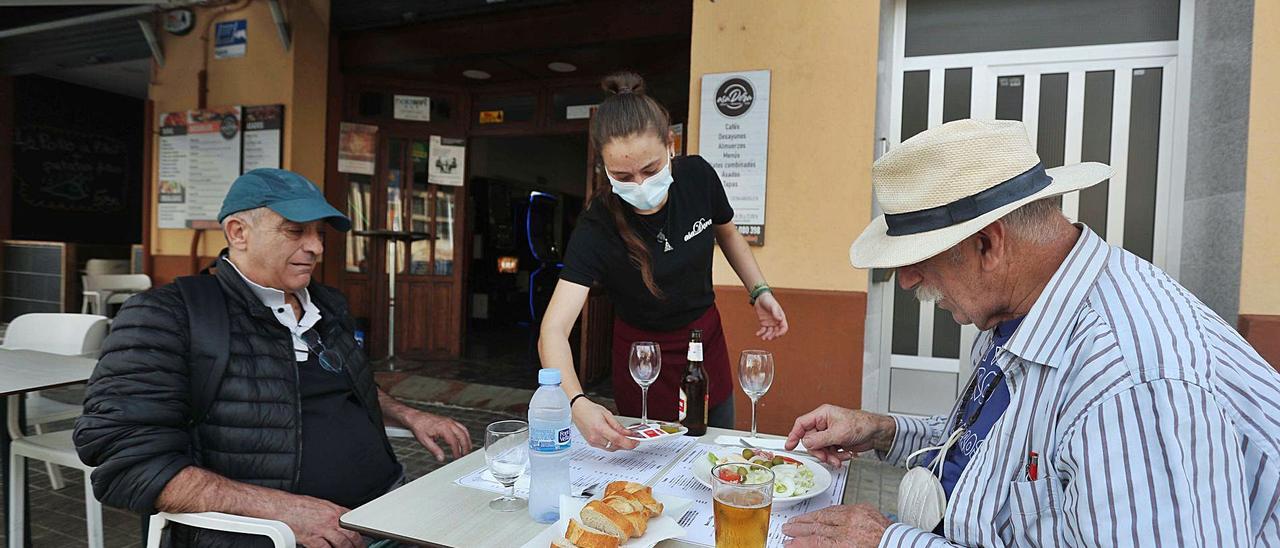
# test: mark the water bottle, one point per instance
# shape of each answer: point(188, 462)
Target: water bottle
point(549, 420)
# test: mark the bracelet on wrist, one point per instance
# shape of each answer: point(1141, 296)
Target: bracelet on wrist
point(758, 290)
point(575, 399)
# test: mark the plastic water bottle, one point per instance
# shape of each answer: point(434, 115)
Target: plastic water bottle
point(549, 420)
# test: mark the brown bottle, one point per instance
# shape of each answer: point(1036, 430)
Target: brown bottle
point(693, 389)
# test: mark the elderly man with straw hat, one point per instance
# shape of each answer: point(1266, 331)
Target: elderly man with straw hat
point(1108, 406)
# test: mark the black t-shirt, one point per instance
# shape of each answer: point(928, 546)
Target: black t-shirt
point(597, 254)
point(344, 458)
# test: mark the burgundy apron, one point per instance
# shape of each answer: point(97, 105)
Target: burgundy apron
point(664, 393)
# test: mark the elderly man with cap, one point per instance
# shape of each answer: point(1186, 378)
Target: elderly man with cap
point(292, 428)
point(1108, 406)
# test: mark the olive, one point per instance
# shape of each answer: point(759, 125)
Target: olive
point(747, 454)
point(778, 460)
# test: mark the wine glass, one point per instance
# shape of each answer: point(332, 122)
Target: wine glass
point(506, 452)
point(755, 375)
point(645, 364)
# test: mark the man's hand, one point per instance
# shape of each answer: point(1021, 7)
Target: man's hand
point(857, 526)
point(835, 434)
point(315, 523)
point(427, 427)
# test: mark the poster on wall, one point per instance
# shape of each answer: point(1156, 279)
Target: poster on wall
point(734, 138)
point(412, 107)
point(174, 154)
point(263, 146)
point(231, 39)
point(357, 144)
point(445, 161)
point(200, 156)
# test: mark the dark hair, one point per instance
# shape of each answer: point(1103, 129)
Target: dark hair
point(625, 113)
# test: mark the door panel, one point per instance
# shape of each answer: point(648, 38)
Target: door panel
point(1105, 106)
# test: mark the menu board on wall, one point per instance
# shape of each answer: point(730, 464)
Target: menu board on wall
point(200, 156)
point(263, 145)
point(734, 138)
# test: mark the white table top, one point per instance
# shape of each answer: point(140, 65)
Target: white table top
point(27, 370)
point(435, 511)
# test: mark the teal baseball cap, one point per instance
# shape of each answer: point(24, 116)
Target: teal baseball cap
point(284, 192)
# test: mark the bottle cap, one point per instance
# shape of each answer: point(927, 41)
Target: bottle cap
point(548, 376)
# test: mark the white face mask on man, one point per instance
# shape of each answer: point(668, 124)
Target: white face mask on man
point(647, 194)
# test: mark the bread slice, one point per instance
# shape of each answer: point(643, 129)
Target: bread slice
point(598, 515)
point(639, 522)
point(562, 543)
point(624, 504)
point(587, 537)
point(638, 491)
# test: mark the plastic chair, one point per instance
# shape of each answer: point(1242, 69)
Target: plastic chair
point(103, 290)
point(106, 266)
point(279, 532)
point(67, 334)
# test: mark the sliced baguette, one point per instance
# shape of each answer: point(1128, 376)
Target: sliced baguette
point(598, 515)
point(562, 543)
point(624, 504)
point(583, 536)
point(638, 491)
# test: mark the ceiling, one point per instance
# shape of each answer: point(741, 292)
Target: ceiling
point(129, 78)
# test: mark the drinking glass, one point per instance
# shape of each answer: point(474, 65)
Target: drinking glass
point(645, 364)
point(755, 375)
point(506, 452)
point(741, 506)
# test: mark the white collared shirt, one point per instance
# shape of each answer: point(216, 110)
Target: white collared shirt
point(274, 299)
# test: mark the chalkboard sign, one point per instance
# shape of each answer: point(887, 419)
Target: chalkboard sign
point(77, 163)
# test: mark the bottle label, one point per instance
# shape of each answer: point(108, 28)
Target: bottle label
point(695, 352)
point(684, 404)
point(549, 440)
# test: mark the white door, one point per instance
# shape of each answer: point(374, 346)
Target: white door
point(1112, 104)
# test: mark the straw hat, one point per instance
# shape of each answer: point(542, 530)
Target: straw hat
point(947, 183)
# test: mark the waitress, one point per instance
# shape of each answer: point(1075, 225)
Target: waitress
point(648, 240)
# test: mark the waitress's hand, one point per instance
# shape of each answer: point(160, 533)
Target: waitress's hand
point(773, 321)
point(600, 428)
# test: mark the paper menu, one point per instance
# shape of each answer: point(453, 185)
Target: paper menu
point(699, 520)
point(588, 466)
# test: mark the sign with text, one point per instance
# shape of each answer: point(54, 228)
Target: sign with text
point(733, 137)
point(199, 156)
point(263, 146)
point(230, 39)
point(446, 161)
point(412, 107)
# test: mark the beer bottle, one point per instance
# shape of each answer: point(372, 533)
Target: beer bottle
point(693, 389)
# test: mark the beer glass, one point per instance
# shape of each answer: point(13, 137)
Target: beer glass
point(645, 364)
point(506, 451)
point(741, 506)
point(755, 375)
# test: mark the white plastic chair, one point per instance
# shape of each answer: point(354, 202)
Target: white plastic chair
point(103, 290)
point(67, 334)
point(106, 266)
point(279, 532)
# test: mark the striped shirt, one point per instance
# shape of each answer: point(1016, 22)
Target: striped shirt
point(1155, 422)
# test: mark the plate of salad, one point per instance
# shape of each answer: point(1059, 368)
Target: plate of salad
point(795, 478)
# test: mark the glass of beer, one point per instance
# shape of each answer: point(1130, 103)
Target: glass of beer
point(742, 499)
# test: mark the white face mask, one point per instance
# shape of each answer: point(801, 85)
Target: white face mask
point(921, 499)
point(647, 194)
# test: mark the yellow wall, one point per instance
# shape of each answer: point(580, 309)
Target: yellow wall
point(821, 126)
point(1261, 261)
point(266, 75)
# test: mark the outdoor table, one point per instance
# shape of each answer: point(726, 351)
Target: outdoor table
point(24, 371)
point(434, 511)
